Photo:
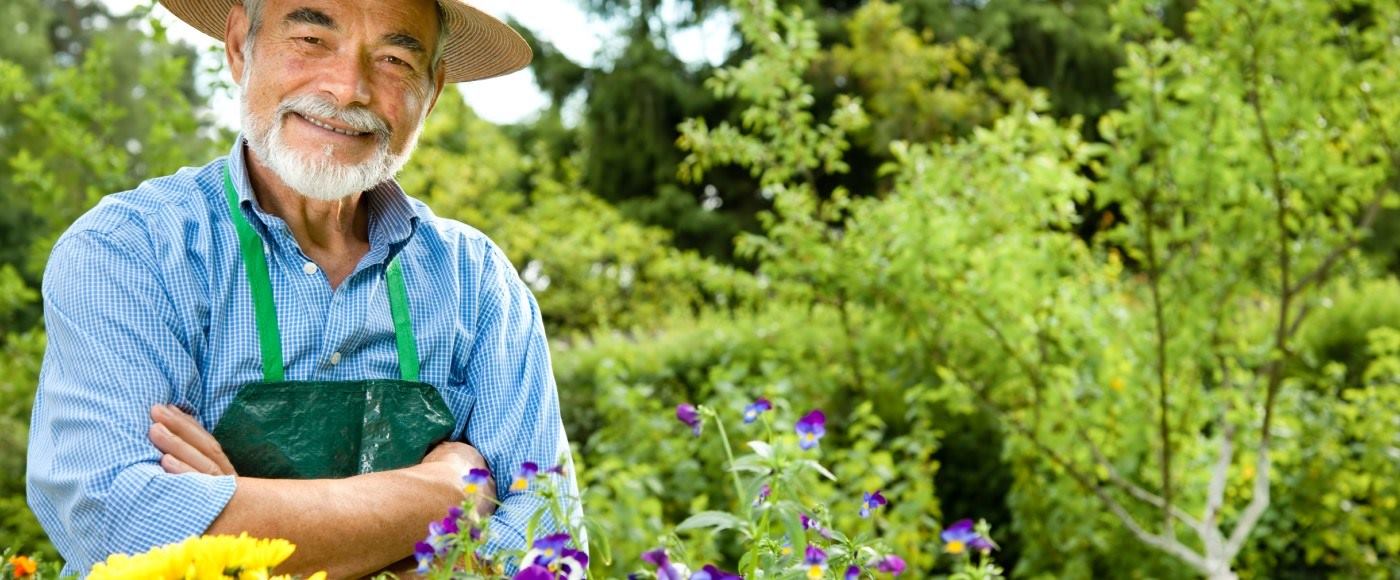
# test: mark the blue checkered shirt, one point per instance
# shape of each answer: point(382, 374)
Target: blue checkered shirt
point(146, 301)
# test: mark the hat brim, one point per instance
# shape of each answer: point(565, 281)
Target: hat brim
point(479, 46)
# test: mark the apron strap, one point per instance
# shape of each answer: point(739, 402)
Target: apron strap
point(403, 323)
point(255, 262)
point(265, 309)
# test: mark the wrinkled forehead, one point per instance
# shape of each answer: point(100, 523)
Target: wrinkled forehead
point(416, 22)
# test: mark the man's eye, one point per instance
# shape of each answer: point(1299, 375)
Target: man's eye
point(396, 61)
point(309, 40)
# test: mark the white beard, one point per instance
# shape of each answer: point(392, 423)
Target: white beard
point(320, 177)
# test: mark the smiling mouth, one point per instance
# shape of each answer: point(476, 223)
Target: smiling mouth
point(336, 130)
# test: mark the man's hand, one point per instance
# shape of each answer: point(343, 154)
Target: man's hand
point(187, 447)
point(461, 458)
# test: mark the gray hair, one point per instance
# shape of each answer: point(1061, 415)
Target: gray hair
point(254, 8)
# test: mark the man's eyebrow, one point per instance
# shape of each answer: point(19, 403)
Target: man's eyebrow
point(310, 16)
point(405, 41)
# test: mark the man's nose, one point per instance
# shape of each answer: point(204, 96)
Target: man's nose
point(347, 78)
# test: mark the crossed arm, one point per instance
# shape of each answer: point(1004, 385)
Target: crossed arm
point(347, 527)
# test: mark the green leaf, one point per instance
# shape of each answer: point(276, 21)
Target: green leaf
point(817, 467)
point(715, 520)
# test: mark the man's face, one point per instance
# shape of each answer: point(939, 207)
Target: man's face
point(335, 93)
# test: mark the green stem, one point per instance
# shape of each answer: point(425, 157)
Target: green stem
point(729, 453)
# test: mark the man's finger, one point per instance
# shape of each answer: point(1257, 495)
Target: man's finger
point(178, 449)
point(174, 466)
point(188, 429)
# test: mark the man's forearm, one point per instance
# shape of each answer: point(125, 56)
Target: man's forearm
point(347, 527)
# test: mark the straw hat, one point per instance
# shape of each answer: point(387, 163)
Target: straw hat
point(478, 45)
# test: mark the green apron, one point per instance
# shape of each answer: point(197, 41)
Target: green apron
point(282, 429)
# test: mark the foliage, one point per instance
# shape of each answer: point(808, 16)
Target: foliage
point(778, 529)
point(600, 272)
point(917, 90)
point(1162, 345)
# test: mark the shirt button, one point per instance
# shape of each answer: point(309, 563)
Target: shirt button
point(309, 268)
point(335, 358)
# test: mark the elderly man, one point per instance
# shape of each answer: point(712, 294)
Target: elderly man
point(282, 342)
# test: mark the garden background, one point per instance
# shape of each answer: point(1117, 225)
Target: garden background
point(1116, 276)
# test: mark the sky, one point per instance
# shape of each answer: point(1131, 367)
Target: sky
point(513, 98)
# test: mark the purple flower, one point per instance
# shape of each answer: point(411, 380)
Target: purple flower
point(763, 493)
point(556, 470)
point(476, 480)
point(664, 569)
point(572, 564)
point(809, 523)
point(442, 532)
point(810, 429)
point(957, 536)
point(815, 561)
point(852, 573)
point(552, 545)
point(424, 553)
point(872, 502)
point(534, 573)
point(474, 533)
point(523, 477)
point(687, 414)
point(982, 544)
point(710, 572)
point(891, 564)
point(755, 409)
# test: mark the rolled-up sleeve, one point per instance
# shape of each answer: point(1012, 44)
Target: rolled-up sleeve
point(516, 416)
point(114, 350)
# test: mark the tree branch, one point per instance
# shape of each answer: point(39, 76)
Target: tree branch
point(1167, 544)
point(1135, 490)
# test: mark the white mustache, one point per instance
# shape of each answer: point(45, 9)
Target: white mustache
point(357, 118)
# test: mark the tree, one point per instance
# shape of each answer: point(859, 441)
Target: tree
point(1144, 376)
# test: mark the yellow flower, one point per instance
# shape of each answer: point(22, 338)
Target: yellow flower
point(955, 547)
point(23, 566)
point(207, 557)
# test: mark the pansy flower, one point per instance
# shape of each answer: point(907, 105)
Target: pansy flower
point(687, 414)
point(665, 570)
point(527, 473)
point(475, 480)
point(441, 532)
point(710, 572)
point(810, 429)
point(763, 493)
point(545, 550)
point(891, 564)
point(755, 409)
point(571, 565)
point(810, 523)
point(533, 573)
point(872, 502)
point(424, 552)
point(815, 561)
point(852, 573)
point(961, 535)
point(982, 544)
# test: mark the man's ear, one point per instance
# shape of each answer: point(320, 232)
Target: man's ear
point(439, 81)
point(235, 35)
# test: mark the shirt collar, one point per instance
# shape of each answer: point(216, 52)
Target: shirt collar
point(393, 217)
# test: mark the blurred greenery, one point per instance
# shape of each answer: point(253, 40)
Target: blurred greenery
point(1055, 265)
